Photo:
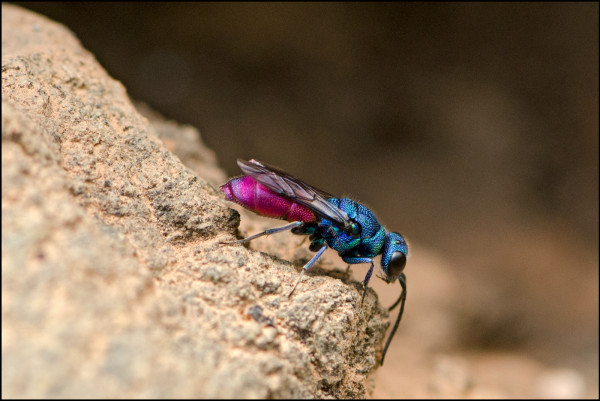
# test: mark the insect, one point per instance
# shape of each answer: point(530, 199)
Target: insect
point(342, 224)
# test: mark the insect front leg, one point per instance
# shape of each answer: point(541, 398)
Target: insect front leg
point(355, 260)
point(290, 226)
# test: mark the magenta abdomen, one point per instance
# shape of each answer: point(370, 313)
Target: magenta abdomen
point(254, 196)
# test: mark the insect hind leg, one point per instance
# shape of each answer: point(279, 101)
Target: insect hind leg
point(353, 261)
point(290, 226)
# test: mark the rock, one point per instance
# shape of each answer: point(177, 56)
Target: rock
point(113, 280)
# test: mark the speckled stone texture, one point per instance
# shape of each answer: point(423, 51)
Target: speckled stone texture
point(113, 281)
point(114, 284)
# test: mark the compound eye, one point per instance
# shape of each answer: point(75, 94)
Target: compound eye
point(396, 265)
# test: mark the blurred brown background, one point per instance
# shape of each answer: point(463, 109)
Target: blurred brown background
point(472, 129)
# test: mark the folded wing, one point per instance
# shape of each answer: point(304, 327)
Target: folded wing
point(284, 184)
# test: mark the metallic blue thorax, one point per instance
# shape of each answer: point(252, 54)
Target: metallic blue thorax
point(367, 243)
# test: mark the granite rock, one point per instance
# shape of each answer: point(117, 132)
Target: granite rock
point(114, 283)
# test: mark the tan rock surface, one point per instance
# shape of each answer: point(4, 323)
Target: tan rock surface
point(114, 284)
point(113, 281)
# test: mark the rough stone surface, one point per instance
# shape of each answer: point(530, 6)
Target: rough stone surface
point(113, 281)
point(114, 284)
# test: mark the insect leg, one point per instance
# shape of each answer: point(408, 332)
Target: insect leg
point(266, 232)
point(302, 242)
point(308, 266)
point(353, 260)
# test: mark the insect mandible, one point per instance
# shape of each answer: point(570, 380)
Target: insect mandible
point(342, 224)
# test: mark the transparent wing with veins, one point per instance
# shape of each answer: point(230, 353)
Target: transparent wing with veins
point(284, 184)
